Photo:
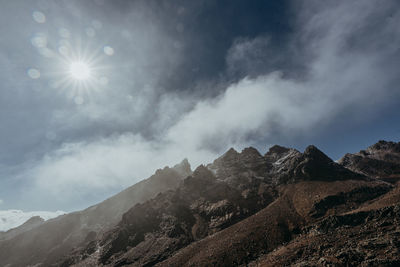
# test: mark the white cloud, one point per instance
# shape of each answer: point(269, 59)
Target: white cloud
point(1, 201)
point(14, 218)
point(107, 163)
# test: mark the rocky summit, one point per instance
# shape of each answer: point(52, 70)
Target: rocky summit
point(381, 160)
point(284, 208)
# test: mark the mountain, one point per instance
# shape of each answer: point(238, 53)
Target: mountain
point(381, 160)
point(53, 239)
point(243, 209)
point(231, 210)
point(26, 226)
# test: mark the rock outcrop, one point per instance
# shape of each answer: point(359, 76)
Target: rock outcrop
point(381, 160)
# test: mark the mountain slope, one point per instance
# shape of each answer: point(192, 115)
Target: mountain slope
point(369, 237)
point(26, 226)
point(55, 238)
point(274, 225)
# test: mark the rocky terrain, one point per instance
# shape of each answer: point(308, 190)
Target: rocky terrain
point(283, 208)
point(381, 160)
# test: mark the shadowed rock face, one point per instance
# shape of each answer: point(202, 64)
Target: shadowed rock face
point(316, 165)
point(381, 160)
point(201, 206)
point(279, 165)
point(236, 168)
point(238, 210)
point(289, 166)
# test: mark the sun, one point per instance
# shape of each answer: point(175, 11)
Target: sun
point(80, 70)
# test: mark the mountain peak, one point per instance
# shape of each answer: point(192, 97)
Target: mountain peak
point(383, 145)
point(201, 176)
point(315, 165)
point(233, 166)
point(250, 151)
point(34, 220)
point(381, 160)
point(279, 154)
point(26, 226)
point(313, 152)
point(277, 149)
point(183, 168)
point(202, 171)
point(230, 153)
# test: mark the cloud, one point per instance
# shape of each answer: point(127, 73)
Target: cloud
point(79, 171)
point(109, 162)
point(349, 70)
point(14, 218)
point(348, 52)
point(1, 201)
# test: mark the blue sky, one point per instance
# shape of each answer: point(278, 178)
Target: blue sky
point(183, 79)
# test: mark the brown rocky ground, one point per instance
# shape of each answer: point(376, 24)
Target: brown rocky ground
point(364, 238)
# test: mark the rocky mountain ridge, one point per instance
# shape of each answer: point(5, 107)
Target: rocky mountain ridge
point(222, 195)
point(381, 160)
point(242, 209)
